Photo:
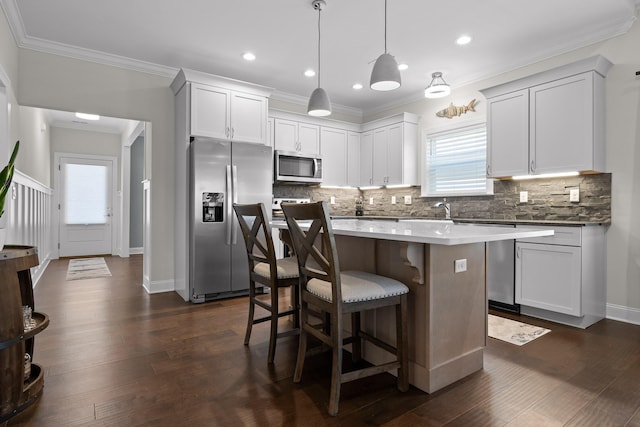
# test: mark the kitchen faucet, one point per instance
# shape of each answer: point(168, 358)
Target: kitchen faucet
point(446, 206)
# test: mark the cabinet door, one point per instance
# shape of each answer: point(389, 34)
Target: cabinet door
point(209, 111)
point(353, 159)
point(561, 137)
point(308, 138)
point(248, 118)
point(333, 143)
point(285, 135)
point(366, 158)
point(395, 154)
point(549, 277)
point(380, 144)
point(508, 134)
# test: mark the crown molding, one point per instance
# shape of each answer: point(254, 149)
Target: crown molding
point(303, 101)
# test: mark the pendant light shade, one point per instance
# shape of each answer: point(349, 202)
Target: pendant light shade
point(385, 74)
point(319, 103)
point(438, 88)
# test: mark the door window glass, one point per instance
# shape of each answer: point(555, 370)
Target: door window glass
point(85, 198)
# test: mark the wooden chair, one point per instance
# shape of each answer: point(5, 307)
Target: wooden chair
point(265, 269)
point(325, 287)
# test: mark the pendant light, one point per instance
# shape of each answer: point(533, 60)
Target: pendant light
point(385, 74)
point(319, 104)
point(438, 88)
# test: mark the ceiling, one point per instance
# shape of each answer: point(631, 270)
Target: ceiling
point(65, 119)
point(161, 36)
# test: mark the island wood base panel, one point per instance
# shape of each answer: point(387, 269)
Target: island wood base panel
point(447, 310)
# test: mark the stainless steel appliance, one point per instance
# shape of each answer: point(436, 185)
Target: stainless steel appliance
point(501, 290)
point(222, 173)
point(291, 166)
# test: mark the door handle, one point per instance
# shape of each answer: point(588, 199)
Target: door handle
point(229, 204)
point(234, 225)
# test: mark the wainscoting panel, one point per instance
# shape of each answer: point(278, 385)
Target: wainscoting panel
point(29, 218)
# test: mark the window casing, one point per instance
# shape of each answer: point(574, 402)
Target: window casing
point(455, 162)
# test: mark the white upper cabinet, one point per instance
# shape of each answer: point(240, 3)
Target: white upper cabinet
point(366, 158)
point(333, 144)
point(563, 125)
point(291, 135)
point(551, 122)
point(224, 108)
point(508, 134)
point(394, 151)
point(353, 159)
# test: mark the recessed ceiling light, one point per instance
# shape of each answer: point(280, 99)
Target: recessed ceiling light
point(462, 40)
point(86, 116)
point(402, 66)
point(248, 56)
point(357, 86)
point(309, 73)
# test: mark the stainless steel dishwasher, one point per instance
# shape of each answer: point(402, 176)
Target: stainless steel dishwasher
point(501, 290)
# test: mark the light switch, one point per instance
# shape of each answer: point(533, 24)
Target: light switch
point(393, 200)
point(407, 200)
point(574, 194)
point(333, 200)
point(524, 197)
point(370, 200)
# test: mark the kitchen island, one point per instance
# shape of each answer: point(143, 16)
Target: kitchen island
point(443, 264)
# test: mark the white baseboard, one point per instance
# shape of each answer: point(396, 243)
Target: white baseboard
point(136, 251)
point(623, 314)
point(39, 271)
point(158, 286)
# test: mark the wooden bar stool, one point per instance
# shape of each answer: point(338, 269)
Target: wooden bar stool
point(266, 270)
point(325, 287)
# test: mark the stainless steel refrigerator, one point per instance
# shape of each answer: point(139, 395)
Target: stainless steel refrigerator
point(223, 173)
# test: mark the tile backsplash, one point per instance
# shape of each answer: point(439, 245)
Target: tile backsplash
point(548, 199)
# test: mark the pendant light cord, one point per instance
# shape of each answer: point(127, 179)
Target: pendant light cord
point(319, 10)
point(385, 26)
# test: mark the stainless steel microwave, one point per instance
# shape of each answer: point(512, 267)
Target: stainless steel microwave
point(291, 166)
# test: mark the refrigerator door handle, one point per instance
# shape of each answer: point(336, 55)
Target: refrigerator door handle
point(234, 222)
point(229, 204)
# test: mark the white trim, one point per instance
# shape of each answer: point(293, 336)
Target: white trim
point(303, 101)
point(623, 314)
point(37, 272)
point(158, 286)
point(55, 214)
point(24, 179)
point(136, 251)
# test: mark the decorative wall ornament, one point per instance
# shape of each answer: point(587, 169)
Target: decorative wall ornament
point(454, 111)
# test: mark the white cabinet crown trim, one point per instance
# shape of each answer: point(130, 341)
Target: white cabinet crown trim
point(185, 75)
point(598, 63)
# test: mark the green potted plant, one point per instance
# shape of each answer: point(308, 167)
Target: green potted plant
point(6, 175)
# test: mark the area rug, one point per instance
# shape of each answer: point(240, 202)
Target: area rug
point(87, 268)
point(513, 332)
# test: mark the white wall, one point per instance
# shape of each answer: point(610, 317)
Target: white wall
point(33, 157)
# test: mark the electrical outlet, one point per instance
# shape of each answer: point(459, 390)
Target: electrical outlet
point(407, 200)
point(460, 265)
point(524, 197)
point(370, 200)
point(574, 194)
point(333, 200)
point(393, 200)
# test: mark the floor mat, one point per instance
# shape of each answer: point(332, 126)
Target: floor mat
point(87, 268)
point(513, 332)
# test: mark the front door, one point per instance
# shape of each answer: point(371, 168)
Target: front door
point(86, 188)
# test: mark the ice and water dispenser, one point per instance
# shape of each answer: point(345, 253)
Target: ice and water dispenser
point(212, 207)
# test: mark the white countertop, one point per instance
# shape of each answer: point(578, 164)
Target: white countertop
point(426, 231)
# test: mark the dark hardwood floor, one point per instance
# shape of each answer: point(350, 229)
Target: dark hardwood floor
point(115, 356)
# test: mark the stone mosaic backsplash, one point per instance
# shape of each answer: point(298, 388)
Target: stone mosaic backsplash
point(548, 200)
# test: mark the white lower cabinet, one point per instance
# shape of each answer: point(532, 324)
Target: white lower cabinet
point(563, 277)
